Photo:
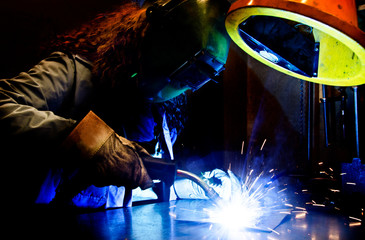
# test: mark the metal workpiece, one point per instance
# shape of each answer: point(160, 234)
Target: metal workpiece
point(179, 219)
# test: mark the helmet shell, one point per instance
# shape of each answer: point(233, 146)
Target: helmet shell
point(178, 29)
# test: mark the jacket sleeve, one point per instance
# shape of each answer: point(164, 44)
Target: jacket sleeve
point(29, 102)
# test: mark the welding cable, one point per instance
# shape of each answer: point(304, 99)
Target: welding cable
point(210, 192)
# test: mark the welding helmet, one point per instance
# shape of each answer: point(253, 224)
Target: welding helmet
point(185, 46)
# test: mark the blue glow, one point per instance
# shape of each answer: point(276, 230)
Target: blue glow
point(257, 205)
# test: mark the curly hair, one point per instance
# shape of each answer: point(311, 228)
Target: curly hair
point(112, 42)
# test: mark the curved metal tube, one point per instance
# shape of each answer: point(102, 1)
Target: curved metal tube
point(210, 192)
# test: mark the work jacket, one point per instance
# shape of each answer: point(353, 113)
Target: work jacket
point(38, 109)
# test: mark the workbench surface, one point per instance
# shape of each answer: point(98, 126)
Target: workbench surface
point(161, 221)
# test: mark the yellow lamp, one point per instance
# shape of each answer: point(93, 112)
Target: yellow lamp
point(329, 29)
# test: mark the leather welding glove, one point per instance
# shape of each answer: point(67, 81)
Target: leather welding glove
point(100, 157)
point(157, 168)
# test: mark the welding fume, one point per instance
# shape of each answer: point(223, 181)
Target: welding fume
point(93, 124)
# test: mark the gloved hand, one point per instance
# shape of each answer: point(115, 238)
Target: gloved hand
point(159, 168)
point(98, 156)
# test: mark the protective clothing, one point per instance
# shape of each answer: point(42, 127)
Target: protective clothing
point(108, 159)
point(105, 157)
point(38, 110)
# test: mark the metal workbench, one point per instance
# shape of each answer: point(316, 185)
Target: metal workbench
point(161, 221)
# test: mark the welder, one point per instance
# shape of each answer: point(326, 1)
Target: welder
point(72, 127)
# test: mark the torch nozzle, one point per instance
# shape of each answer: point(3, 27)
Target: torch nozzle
point(210, 192)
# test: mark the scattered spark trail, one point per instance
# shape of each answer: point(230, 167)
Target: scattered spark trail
point(263, 144)
point(354, 224)
point(356, 219)
point(242, 147)
point(247, 207)
point(254, 207)
point(350, 183)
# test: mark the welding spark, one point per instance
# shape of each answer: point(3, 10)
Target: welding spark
point(274, 231)
point(242, 146)
point(300, 208)
point(257, 203)
point(350, 183)
point(354, 224)
point(246, 208)
point(353, 218)
point(318, 205)
point(243, 209)
point(334, 190)
point(300, 215)
point(237, 215)
point(263, 144)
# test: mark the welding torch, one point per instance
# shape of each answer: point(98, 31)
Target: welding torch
point(165, 170)
point(210, 192)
